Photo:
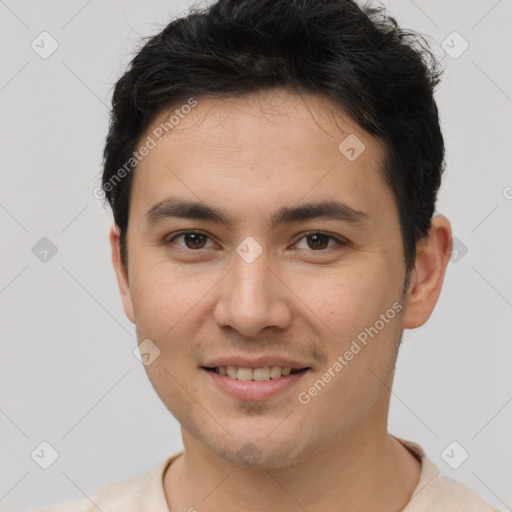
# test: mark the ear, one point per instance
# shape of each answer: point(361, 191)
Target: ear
point(121, 272)
point(432, 256)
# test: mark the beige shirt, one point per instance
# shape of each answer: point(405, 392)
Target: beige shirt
point(145, 493)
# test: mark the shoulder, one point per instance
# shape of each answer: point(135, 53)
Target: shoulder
point(437, 492)
point(449, 494)
point(129, 495)
point(106, 499)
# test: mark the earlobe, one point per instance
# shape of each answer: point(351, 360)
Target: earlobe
point(121, 273)
point(433, 255)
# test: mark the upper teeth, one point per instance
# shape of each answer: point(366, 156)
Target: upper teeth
point(258, 374)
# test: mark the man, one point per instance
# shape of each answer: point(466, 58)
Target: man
point(273, 167)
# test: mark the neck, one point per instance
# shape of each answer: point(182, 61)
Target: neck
point(365, 471)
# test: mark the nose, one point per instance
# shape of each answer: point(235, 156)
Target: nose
point(252, 298)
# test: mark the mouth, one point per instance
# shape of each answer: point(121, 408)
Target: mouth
point(255, 384)
point(255, 374)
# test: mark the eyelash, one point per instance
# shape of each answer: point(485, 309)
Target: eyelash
point(339, 241)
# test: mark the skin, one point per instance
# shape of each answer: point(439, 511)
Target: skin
point(250, 156)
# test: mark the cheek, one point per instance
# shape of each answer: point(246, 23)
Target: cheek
point(346, 300)
point(165, 307)
point(163, 296)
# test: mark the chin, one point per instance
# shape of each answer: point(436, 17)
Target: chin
point(253, 452)
point(253, 440)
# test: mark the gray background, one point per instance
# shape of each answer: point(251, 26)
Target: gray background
point(68, 374)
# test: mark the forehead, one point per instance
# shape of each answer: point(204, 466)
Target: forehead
point(305, 122)
point(270, 147)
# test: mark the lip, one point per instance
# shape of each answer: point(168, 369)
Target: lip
point(256, 362)
point(254, 390)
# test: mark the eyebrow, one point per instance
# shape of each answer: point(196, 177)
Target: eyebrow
point(184, 209)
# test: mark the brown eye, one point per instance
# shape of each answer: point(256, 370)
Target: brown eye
point(320, 241)
point(191, 240)
point(194, 240)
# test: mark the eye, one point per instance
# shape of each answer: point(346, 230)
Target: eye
point(318, 241)
point(193, 240)
point(315, 241)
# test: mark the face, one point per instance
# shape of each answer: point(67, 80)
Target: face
point(291, 256)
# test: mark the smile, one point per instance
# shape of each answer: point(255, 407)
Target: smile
point(254, 383)
point(256, 374)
